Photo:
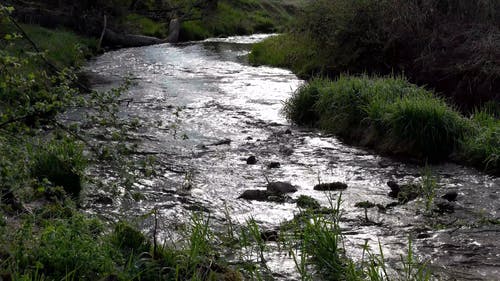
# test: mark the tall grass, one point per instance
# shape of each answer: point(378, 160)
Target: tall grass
point(481, 146)
point(63, 48)
point(61, 162)
point(316, 244)
point(302, 55)
point(395, 116)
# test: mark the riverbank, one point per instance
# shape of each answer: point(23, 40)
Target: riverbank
point(392, 37)
point(396, 117)
point(372, 45)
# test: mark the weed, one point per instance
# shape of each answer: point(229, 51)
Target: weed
point(429, 186)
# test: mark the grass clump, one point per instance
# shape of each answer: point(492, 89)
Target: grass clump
point(292, 51)
point(481, 146)
point(62, 163)
point(426, 126)
point(391, 115)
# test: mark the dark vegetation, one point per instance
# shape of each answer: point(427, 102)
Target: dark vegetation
point(122, 18)
point(451, 47)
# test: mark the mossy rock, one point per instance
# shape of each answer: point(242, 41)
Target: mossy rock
point(307, 202)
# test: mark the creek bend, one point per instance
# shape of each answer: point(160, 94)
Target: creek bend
point(209, 110)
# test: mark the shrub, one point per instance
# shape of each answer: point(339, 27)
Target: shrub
point(129, 239)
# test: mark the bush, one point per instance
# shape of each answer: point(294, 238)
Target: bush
point(129, 239)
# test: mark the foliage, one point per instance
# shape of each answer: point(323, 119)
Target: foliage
point(394, 116)
point(61, 162)
point(295, 51)
point(481, 146)
point(449, 45)
point(64, 249)
point(237, 18)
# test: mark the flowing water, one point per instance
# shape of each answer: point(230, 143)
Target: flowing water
point(208, 110)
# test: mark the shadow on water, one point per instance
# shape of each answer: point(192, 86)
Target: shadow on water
point(225, 111)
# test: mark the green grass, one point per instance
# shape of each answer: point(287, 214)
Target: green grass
point(481, 146)
point(142, 25)
point(316, 244)
point(303, 56)
point(63, 48)
point(393, 115)
point(60, 162)
point(239, 18)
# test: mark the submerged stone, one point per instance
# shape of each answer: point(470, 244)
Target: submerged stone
point(444, 207)
point(395, 189)
point(269, 235)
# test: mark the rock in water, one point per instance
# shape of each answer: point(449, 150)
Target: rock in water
point(252, 160)
point(274, 165)
point(450, 196)
point(280, 187)
point(255, 194)
point(269, 235)
point(174, 29)
point(330, 186)
point(395, 189)
point(444, 207)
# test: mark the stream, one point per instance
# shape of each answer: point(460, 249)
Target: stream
point(208, 110)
